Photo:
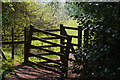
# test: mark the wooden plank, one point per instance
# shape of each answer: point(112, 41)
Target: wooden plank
point(53, 61)
point(28, 43)
point(12, 43)
point(42, 54)
point(53, 30)
point(43, 62)
point(70, 28)
point(25, 45)
point(15, 42)
point(66, 55)
point(79, 36)
point(74, 36)
point(35, 38)
point(45, 67)
point(62, 42)
point(36, 47)
point(44, 46)
point(51, 38)
point(46, 32)
point(68, 45)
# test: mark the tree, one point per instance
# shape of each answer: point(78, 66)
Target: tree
point(100, 59)
point(23, 14)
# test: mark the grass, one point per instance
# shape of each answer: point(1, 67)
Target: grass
point(7, 66)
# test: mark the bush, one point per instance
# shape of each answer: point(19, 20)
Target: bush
point(101, 58)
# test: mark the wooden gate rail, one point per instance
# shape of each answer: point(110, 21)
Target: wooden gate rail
point(53, 30)
point(49, 38)
point(70, 27)
point(44, 46)
point(52, 52)
point(35, 38)
point(74, 36)
point(30, 54)
point(46, 32)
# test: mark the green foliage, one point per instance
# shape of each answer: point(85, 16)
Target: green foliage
point(7, 67)
point(23, 14)
point(99, 59)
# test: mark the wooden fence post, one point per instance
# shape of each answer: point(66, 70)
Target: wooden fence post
point(25, 44)
point(12, 30)
point(62, 42)
point(66, 55)
point(61, 48)
point(79, 36)
point(28, 43)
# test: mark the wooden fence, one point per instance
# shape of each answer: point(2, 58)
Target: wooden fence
point(12, 43)
point(65, 47)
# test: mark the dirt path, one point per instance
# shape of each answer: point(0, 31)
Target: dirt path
point(24, 72)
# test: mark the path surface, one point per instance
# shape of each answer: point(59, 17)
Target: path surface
point(24, 72)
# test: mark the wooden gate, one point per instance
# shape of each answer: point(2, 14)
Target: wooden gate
point(65, 46)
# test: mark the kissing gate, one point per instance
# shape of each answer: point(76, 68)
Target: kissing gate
point(66, 47)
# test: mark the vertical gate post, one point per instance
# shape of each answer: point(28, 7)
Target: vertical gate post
point(12, 42)
point(28, 43)
point(25, 45)
point(66, 55)
point(62, 48)
point(61, 42)
point(79, 36)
